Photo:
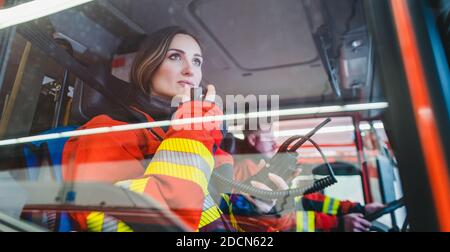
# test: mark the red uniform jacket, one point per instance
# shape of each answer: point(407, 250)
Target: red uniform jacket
point(177, 174)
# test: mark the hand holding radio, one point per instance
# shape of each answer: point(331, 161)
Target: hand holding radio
point(284, 163)
point(201, 93)
point(264, 206)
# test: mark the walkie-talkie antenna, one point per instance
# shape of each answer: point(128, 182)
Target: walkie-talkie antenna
point(309, 135)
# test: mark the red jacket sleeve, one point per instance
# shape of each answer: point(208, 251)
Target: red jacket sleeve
point(106, 157)
point(324, 204)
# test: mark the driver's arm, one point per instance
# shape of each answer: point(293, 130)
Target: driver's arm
point(321, 203)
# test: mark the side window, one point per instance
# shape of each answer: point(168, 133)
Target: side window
point(385, 184)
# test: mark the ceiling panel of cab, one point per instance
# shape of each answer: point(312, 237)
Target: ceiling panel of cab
point(259, 47)
point(259, 34)
point(251, 47)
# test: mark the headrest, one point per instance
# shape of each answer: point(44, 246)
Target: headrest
point(339, 169)
point(88, 102)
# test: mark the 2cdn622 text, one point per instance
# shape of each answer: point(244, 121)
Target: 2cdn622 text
point(224, 241)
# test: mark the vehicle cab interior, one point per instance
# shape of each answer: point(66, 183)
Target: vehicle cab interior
point(378, 69)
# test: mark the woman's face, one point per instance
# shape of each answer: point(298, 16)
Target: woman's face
point(181, 69)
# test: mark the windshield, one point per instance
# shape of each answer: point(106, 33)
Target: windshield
point(172, 116)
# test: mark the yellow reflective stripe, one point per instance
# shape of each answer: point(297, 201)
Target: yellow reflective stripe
point(138, 185)
point(209, 216)
point(188, 145)
point(95, 221)
point(300, 221)
point(230, 212)
point(305, 221)
point(330, 206)
point(326, 204)
point(122, 227)
point(335, 207)
point(205, 220)
point(311, 226)
point(183, 158)
point(179, 171)
point(226, 198)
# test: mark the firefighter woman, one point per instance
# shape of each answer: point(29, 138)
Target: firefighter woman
point(172, 166)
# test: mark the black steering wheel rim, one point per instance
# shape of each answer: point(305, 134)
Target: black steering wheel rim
point(390, 208)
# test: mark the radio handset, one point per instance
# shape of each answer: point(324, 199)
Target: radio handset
point(284, 163)
point(280, 166)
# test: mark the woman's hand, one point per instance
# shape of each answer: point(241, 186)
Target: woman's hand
point(210, 93)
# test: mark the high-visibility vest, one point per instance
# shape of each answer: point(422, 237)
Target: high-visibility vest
point(99, 222)
point(177, 176)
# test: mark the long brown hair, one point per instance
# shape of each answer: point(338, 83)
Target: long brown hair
point(151, 54)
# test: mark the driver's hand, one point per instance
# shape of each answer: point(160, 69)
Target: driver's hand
point(264, 206)
point(355, 222)
point(373, 207)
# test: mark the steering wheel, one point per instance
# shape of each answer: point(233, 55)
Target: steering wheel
point(390, 208)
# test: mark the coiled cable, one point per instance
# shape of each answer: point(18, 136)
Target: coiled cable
point(318, 185)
